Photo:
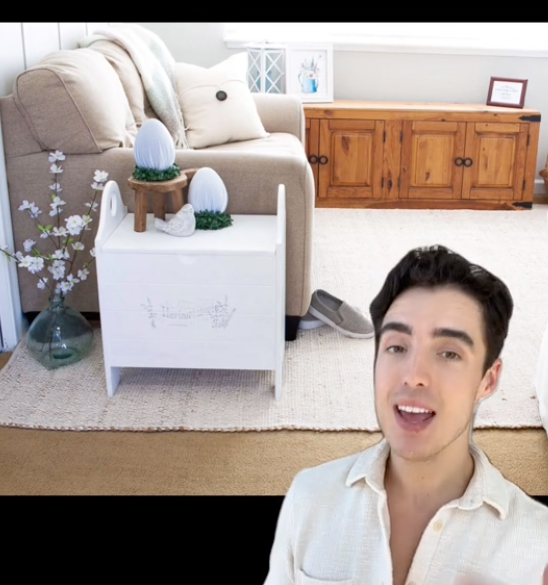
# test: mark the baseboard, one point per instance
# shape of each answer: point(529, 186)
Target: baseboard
point(540, 197)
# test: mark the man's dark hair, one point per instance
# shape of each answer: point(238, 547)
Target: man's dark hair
point(437, 266)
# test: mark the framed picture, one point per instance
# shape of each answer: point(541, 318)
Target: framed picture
point(507, 92)
point(309, 71)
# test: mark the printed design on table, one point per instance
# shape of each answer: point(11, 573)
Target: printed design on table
point(188, 313)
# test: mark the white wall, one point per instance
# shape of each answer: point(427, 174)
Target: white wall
point(389, 76)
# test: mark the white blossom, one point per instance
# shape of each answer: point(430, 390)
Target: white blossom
point(35, 211)
point(83, 274)
point(28, 244)
point(100, 176)
point(33, 263)
point(55, 205)
point(60, 232)
point(65, 287)
point(25, 262)
point(56, 169)
point(61, 254)
point(75, 223)
point(55, 156)
point(57, 262)
point(57, 271)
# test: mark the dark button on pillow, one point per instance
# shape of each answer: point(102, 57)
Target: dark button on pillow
point(221, 95)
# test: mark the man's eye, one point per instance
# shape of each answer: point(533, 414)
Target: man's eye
point(395, 349)
point(450, 355)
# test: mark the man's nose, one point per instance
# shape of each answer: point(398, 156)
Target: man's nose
point(417, 370)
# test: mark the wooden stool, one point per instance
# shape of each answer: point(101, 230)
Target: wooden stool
point(159, 189)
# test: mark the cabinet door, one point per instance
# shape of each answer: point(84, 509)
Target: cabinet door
point(496, 153)
point(431, 160)
point(312, 146)
point(350, 159)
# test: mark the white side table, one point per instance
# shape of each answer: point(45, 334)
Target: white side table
point(215, 299)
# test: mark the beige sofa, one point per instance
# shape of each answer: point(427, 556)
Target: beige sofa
point(89, 103)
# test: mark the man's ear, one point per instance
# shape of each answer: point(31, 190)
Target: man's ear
point(490, 381)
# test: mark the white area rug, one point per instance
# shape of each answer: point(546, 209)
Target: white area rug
point(328, 377)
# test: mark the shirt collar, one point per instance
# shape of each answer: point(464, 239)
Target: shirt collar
point(487, 485)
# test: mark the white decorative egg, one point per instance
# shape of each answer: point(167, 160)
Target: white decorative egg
point(207, 192)
point(154, 148)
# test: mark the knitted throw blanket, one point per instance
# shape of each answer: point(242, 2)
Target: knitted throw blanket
point(155, 65)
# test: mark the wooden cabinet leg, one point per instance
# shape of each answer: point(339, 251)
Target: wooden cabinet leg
point(160, 205)
point(141, 208)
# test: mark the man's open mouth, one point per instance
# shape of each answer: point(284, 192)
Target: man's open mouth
point(414, 415)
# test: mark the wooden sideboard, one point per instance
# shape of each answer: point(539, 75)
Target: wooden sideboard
point(422, 155)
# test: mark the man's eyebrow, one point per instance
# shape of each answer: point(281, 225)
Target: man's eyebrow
point(455, 334)
point(395, 326)
point(439, 332)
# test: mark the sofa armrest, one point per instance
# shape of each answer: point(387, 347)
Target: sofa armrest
point(281, 113)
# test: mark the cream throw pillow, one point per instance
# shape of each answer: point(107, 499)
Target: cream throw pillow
point(210, 119)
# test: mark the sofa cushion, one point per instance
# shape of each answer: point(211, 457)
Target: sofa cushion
point(216, 103)
point(131, 80)
point(74, 101)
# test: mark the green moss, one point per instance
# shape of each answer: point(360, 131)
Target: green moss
point(151, 175)
point(209, 220)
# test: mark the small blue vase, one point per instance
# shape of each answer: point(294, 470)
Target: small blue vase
point(59, 335)
point(309, 85)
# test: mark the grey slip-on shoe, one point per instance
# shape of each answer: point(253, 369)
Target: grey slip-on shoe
point(308, 321)
point(340, 315)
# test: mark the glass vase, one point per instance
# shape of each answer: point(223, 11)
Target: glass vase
point(59, 335)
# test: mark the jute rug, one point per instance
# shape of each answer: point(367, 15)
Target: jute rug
point(328, 377)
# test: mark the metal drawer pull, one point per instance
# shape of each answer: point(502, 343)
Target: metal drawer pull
point(323, 160)
point(468, 162)
point(459, 161)
point(312, 159)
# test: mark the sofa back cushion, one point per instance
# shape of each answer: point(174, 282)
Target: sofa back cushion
point(74, 101)
point(131, 80)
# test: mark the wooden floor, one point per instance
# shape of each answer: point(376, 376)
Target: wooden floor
point(4, 357)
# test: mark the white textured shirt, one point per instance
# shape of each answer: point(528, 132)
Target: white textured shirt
point(334, 529)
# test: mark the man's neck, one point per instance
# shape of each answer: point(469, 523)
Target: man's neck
point(428, 485)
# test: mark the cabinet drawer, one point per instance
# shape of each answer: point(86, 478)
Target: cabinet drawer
point(189, 268)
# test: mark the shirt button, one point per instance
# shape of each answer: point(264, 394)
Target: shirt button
point(438, 525)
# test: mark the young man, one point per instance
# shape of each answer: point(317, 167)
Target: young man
point(424, 506)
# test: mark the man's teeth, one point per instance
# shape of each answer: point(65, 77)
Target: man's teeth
point(413, 409)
